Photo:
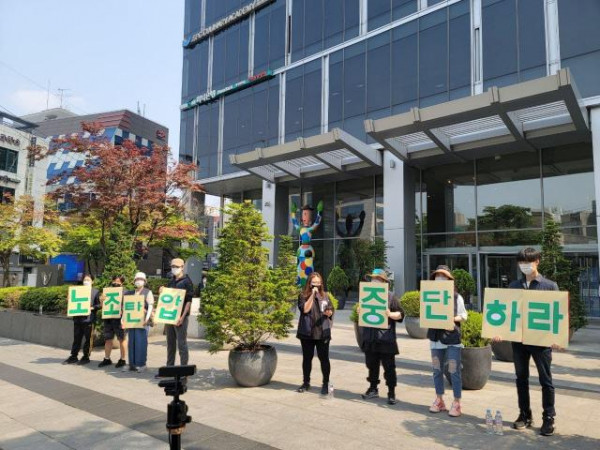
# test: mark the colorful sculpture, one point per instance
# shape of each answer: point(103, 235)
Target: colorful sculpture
point(306, 253)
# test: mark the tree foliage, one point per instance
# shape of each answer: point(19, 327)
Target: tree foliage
point(245, 302)
point(21, 230)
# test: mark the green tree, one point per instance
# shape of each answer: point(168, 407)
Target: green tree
point(119, 259)
point(555, 266)
point(83, 240)
point(245, 302)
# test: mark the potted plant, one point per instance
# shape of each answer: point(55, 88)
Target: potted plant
point(245, 303)
point(476, 355)
point(337, 284)
point(411, 304)
point(354, 319)
point(464, 283)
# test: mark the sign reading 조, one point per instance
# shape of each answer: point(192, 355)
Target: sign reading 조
point(111, 304)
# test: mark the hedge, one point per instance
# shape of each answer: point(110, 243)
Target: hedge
point(9, 296)
point(52, 299)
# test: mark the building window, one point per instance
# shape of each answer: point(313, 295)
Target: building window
point(303, 101)
point(195, 71)
point(207, 140)
point(230, 55)
point(269, 37)
point(382, 12)
point(580, 42)
point(9, 159)
point(192, 16)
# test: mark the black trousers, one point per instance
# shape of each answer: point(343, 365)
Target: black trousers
point(374, 360)
point(81, 331)
point(542, 356)
point(308, 352)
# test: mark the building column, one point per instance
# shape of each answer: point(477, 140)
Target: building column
point(275, 215)
point(595, 128)
point(399, 222)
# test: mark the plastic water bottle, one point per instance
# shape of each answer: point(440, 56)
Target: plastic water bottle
point(489, 422)
point(330, 392)
point(498, 424)
point(211, 377)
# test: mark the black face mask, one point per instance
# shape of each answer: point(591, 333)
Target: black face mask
point(115, 285)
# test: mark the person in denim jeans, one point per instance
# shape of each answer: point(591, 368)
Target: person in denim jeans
point(528, 260)
point(446, 348)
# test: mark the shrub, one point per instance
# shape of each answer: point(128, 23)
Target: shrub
point(334, 301)
point(354, 314)
point(9, 297)
point(411, 303)
point(337, 281)
point(52, 299)
point(155, 283)
point(464, 282)
point(471, 331)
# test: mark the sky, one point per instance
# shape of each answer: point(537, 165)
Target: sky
point(106, 54)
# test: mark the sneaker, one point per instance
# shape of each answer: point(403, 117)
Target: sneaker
point(126, 368)
point(325, 389)
point(140, 369)
point(455, 410)
point(83, 361)
point(120, 363)
point(547, 426)
point(303, 388)
point(70, 360)
point(371, 393)
point(438, 406)
point(525, 420)
point(391, 399)
point(105, 362)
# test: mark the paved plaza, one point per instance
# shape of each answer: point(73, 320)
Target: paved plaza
point(45, 405)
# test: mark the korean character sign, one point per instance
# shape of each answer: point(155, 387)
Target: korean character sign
point(373, 301)
point(437, 305)
point(79, 301)
point(546, 318)
point(112, 303)
point(170, 305)
point(502, 314)
point(133, 311)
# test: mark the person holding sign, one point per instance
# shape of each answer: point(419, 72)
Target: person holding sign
point(83, 326)
point(528, 260)
point(177, 334)
point(380, 346)
point(112, 325)
point(446, 348)
point(138, 337)
point(314, 329)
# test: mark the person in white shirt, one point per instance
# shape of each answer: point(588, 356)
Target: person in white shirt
point(138, 337)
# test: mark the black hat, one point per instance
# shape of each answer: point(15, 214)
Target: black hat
point(307, 207)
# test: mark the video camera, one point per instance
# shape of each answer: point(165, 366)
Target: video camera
point(176, 410)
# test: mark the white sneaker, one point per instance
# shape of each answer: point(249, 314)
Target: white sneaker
point(140, 369)
point(126, 368)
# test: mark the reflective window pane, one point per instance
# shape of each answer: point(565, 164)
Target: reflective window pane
point(499, 34)
point(405, 67)
point(380, 13)
point(433, 54)
point(378, 72)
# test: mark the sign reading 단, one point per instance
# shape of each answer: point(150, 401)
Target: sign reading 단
point(79, 301)
point(111, 305)
point(133, 311)
point(170, 305)
point(437, 305)
point(373, 301)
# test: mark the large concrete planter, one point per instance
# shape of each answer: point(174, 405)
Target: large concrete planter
point(476, 367)
point(414, 329)
point(251, 369)
point(503, 351)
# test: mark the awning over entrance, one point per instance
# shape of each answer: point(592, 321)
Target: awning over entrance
point(332, 152)
point(525, 116)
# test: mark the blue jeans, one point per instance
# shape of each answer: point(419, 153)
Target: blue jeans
point(441, 357)
point(138, 346)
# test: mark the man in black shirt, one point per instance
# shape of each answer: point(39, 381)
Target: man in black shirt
point(177, 334)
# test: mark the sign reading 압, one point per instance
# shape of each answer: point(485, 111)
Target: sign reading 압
point(437, 305)
point(170, 305)
point(133, 311)
point(111, 305)
point(373, 302)
point(79, 301)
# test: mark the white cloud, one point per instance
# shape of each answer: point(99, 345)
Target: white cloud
point(28, 101)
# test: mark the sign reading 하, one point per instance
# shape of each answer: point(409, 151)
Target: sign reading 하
point(133, 311)
point(437, 305)
point(502, 315)
point(373, 301)
point(111, 305)
point(79, 301)
point(170, 305)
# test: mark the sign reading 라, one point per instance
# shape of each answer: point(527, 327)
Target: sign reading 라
point(236, 16)
point(209, 96)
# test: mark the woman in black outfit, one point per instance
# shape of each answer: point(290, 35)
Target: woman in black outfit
point(314, 329)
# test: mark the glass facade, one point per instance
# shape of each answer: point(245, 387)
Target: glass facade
point(8, 160)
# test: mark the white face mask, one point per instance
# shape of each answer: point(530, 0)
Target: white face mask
point(526, 268)
point(87, 283)
point(176, 272)
point(440, 278)
point(139, 283)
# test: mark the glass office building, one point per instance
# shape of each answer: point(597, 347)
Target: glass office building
point(452, 129)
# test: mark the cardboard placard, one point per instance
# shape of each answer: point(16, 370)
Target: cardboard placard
point(546, 318)
point(170, 306)
point(437, 304)
point(133, 311)
point(502, 314)
point(373, 301)
point(79, 301)
point(112, 303)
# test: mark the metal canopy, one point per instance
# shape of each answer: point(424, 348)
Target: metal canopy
point(515, 118)
point(332, 152)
